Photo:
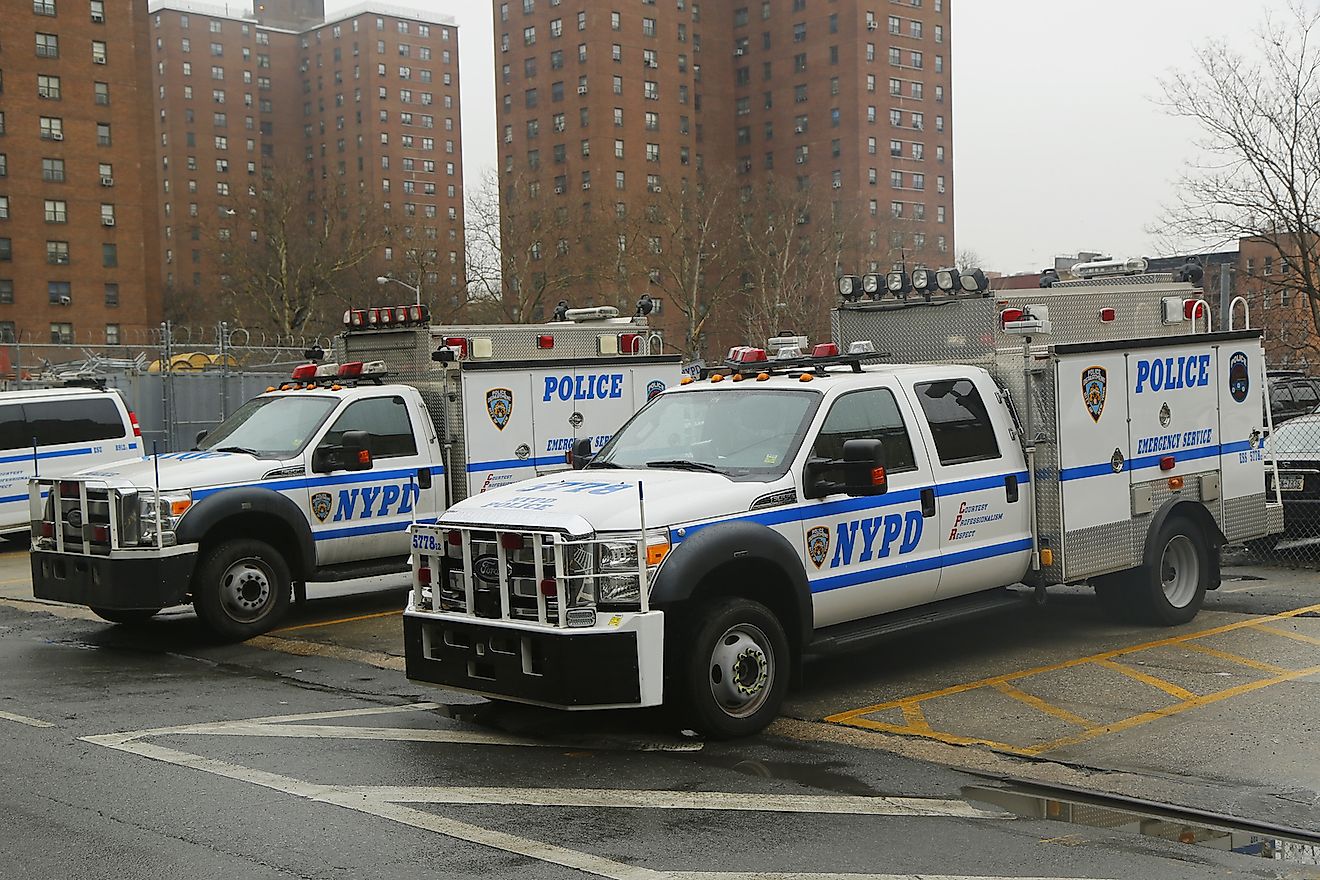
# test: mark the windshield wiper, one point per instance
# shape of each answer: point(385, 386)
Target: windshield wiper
point(682, 464)
point(242, 449)
point(601, 464)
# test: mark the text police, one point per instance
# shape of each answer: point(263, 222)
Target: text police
point(1170, 373)
point(601, 386)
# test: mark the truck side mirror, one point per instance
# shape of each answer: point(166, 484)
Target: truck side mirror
point(352, 454)
point(864, 468)
point(201, 435)
point(580, 455)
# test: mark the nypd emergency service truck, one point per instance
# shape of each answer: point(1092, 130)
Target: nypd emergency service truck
point(795, 503)
point(319, 479)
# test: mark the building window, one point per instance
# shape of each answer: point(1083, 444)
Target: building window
point(48, 46)
point(59, 292)
point(4, 207)
point(111, 334)
point(112, 295)
point(101, 93)
point(103, 134)
point(98, 52)
point(6, 250)
point(48, 87)
point(109, 255)
point(57, 253)
point(52, 170)
point(7, 298)
point(61, 334)
point(57, 210)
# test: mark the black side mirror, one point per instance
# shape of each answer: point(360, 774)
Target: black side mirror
point(864, 468)
point(352, 454)
point(201, 435)
point(580, 455)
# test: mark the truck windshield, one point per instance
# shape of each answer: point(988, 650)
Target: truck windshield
point(740, 432)
point(270, 427)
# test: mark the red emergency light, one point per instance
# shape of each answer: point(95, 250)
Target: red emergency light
point(304, 372)
point(1167, 463)
point(423, 574)
point(350, 370)
point(459, 344)
point(825, 350)
point(1193, 309)
point(545, 341)
point(512, 541)
point(133, 420)
point(454, 537)
point(629, 343)
point(745, 354)
point(1107, 315)
point(1010, 316)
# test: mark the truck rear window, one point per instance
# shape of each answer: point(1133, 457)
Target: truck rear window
point(958, 421)
point(60, 422)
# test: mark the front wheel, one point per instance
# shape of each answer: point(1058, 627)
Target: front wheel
point(736, 676)
point(126, 616)
point(241, 588)
point(1172, 591)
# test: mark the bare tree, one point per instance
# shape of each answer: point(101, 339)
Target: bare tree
point(792, 244)
point(1259, 116)
point(302, 258)
point(527, 250)
point(684, 243)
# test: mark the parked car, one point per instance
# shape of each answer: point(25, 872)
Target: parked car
point(1295, 447)
point(51, 432)
point(1292, 394)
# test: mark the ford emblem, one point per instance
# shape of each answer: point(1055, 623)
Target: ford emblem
point(74, 518)
point(487, 568)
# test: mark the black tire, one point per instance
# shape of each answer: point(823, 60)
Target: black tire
point(735, 675)
point(127, 616)
point(1172, 591)
point(241, 588)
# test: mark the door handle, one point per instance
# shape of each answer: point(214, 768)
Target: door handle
point(424, 478)
point(1011, 488)
point(927, 503)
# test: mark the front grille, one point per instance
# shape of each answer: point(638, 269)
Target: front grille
point(531, 577)
point(75, 516)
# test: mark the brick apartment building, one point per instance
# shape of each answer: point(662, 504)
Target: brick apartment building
point(365, 102)
point(850, 98)
point(79, 256)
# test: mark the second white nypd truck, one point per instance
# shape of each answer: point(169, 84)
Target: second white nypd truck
point(1090, 431)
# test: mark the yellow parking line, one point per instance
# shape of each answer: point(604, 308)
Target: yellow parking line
point(1036, 702)
point(937, 735)
point(1234, 658)
point(1301, 637)
point(1145, 678)
point(849, 716)
point(338, 621)
point(1167, 711)
point(915, 717)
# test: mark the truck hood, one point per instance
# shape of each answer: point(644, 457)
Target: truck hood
point(184, 470)
point(603, 500)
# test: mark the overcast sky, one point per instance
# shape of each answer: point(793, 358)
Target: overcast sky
point(1059, 145)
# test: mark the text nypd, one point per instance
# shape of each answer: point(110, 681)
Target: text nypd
point(376, 501)
point(877, 538)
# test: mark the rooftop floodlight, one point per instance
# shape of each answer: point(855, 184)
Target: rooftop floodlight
point(947, 280)
point(898, 283)
point(871, 284)
point(850, 287)
point(974, 281)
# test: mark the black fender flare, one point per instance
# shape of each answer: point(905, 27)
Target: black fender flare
point(733, 542)
point(243, 501)
point(1197, 513)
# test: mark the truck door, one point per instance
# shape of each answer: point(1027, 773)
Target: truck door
point(983, 520)
point(498, 444)
point(866, 556)
point(363, 515)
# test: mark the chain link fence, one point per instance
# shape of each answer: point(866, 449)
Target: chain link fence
point(1293, 452)
point(178, 380)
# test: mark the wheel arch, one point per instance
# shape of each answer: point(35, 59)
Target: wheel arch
point(253, 512)
point(739, 559)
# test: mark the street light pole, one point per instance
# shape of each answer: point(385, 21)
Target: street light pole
point(382, 280)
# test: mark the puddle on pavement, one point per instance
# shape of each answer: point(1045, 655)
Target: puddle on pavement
point(1147, 821)
point(820, 776)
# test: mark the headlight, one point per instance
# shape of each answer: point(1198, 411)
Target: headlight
point(618, 588)
point(173, 505)
point(617, 555)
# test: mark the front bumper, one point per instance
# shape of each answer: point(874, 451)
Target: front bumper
point(618, 663)
point(148, 580)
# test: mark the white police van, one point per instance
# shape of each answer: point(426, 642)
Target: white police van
point(54, 431)
point(319, 479)
point(1095, 430)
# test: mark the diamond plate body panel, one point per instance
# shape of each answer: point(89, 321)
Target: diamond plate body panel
point(1245, 517)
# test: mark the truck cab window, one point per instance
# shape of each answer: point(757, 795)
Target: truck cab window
point(958, 421)
point(54, 422)
point(385, 419)
point(867, 415)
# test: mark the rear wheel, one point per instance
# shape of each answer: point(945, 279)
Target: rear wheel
point(1172, 591)
point(241, 588)
point(125, 615)
point(735, 678)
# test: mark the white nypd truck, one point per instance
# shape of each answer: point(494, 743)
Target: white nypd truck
point(1094, 430)
point(320, 479)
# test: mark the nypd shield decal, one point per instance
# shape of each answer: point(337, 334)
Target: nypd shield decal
point(654, 387)
point(818, 544)
point(1095, 382)
point(321, 505)
point(499, 406)
point(1239, 377)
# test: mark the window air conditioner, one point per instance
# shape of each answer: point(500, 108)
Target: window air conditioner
point(107, 221)
point(57, 135)
point(107, 181)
